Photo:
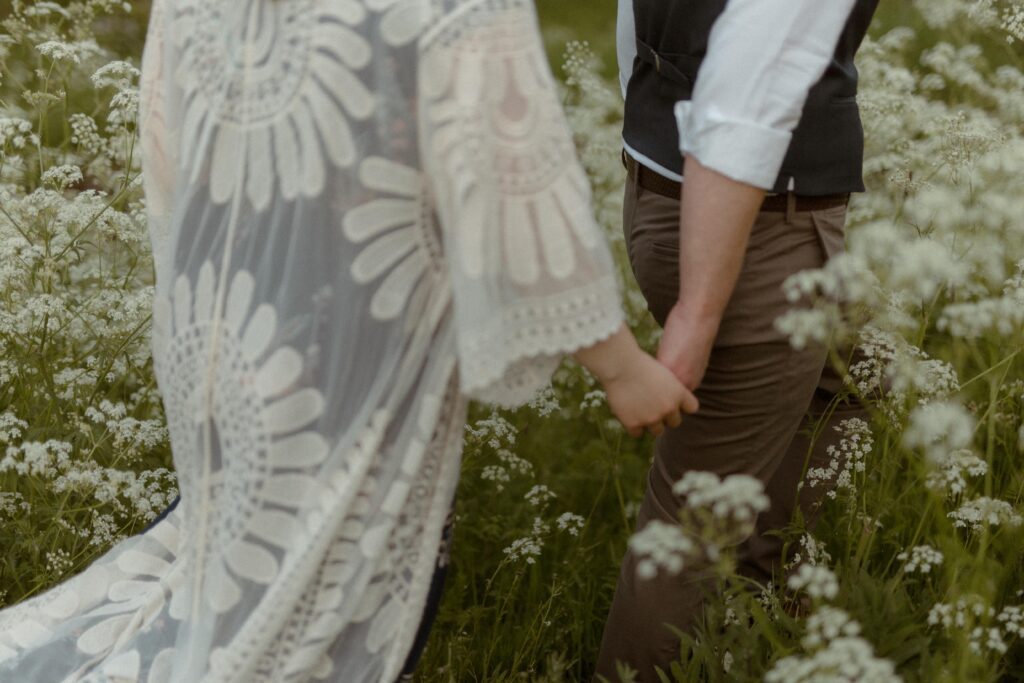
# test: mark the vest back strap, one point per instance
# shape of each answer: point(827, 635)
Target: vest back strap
point(663, 65)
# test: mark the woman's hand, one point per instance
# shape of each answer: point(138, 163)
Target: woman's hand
point(642, 393)
point(646, 395)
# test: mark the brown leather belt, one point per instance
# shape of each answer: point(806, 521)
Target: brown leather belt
point(666, 187)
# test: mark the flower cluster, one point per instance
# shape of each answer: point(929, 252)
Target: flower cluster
point(571, 523)
point(987, 629)
point(661, 546)
point(812, 552)
point(837, 653)
point(846, 459)
point(920, 558)
point(817, 581)
point(737, 499)
point(976, 514)
point(528, 548)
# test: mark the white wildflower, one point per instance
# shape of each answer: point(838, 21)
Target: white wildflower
point(15, 133)
point(843, 660)
point(817, 581)
point(13, 504)
point(59, 52)
point(11, 426)
point(939, 428)
point(921, 558)
point(826, 624)
point(58, 562)
point(975, 514)
point(949, 471)
point(987, 630)
point(571, 523)
point(496, 473)
point(661, 546)
point(804, 327)
point(593, 400)
point(494, 431)
point(85, 133)
point(117, 74)
point(514, 463)
point(1011, 620)
point(846, 459)
point(737, 498)
point(527, 549)
point(63, 176)
point(545, 402)
point(923, 267)
point(539, 495)
point(812, 552)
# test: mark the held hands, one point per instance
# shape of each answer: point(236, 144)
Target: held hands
point(646, 395)
point(642, 393)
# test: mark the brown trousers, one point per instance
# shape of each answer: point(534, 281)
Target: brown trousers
point(760, 400)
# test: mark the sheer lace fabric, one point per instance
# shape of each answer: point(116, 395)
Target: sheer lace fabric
point(363, 213)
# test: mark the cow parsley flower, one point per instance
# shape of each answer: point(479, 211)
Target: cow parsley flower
point(119, 75)
point(975, 514)
point(921, 558)
point(496, 473)
point(62, 177)
point(570, 523)
point(11, 426)
point(846, 459)
point(13, 504)
point(59, 52)
point(528, 548)
point(837, 654)
point(817, 581)
point(737, 498)
point(539, 495)
point(949, 471)
point(812, 552)
point(939, 428)
point(58, 562)
point(545, 402)
point(15, 133)
point(494, 431)
point(661, 546)
point(593, 400)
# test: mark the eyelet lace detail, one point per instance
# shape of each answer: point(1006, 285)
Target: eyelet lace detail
point(531, 337)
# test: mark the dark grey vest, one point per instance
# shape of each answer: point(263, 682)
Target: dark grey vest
point(826, 154)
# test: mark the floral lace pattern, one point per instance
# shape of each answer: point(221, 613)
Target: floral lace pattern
point(283, 111)
point(366, 211)
point(528, 260)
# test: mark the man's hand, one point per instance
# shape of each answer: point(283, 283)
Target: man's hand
point(642, 393)
point(716, 216)
point(686, 346)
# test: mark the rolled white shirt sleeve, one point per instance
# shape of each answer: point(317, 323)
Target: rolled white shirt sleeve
point(763, 58)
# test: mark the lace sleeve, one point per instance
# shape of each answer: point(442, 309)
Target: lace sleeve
point(159, 164)
point(531, 274)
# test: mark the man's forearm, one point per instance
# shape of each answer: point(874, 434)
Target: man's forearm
point(716, 216)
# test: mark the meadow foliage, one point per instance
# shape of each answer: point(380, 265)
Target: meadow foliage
point(914, 572)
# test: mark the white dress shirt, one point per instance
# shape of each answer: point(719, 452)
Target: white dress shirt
point(763, 57)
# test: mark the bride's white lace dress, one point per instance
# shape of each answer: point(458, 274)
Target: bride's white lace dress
point(363, 212)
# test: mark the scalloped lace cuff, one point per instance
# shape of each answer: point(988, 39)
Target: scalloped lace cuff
point(509, 360)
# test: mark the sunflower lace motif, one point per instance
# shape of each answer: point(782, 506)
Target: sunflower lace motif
point(242, 425)
point(273, 87)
